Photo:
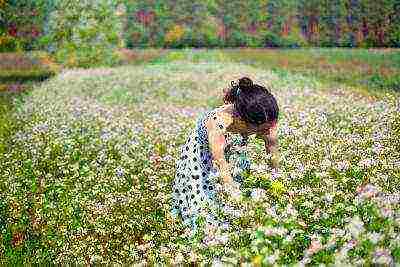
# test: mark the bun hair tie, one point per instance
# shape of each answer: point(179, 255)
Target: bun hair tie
point(235, 87)
point(237, 91)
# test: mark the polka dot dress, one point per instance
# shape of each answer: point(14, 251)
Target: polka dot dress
point(194, 188)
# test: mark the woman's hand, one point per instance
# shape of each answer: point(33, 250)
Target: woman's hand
point(233, 189)
point(225, 170)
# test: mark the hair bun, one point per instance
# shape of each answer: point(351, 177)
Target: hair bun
point(245, 83)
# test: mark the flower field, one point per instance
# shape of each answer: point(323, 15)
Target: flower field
point(88, 160)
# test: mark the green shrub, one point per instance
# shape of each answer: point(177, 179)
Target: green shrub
point(85, 34)
point(271, 40)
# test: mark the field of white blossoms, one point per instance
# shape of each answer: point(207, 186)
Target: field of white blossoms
point(88, 175)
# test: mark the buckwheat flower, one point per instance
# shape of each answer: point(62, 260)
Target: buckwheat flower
point(328, 197)
point(300, 167)
point(99, 208)
point(355, 227)
point(257, 194)
point(164, 251)
point(217, 262)
point(188, 232)
point(367, 191)
point(275, 174)
point(271, 259)
point(366, 163)
point(168, 158)
point(120, 171)
point(233, 189)
point(377, 135)
point(291, 211)
point(342, 165)
point(386, 212)
point(374, 237)
point(314, 247)
point(134, 142)
point(339, 232)
point(391, 199)
point(105, 136)
point(178, 258)
point(271, 211)
point(325, 164)
point(281, 231)
point(268, 231)
point(222, 239)
point(377, 148)
point(193, 256)
point(351, 244)
point(306, 260)
point(382, 256)
point(317, 213)
point(40, 128)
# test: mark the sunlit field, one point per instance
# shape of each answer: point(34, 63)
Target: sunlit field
point(87, 160)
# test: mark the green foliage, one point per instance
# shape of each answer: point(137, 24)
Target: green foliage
point(83, 34)
point(259, 23)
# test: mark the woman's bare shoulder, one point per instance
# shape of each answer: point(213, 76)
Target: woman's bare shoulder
point(221, 117)
point(224, 114)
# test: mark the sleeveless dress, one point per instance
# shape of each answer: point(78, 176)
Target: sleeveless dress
point(194, 188)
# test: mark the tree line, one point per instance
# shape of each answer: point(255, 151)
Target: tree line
point(89, 26)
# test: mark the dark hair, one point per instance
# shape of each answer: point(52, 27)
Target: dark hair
point(253, 103)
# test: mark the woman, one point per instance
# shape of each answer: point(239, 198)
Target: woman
point(215, 148)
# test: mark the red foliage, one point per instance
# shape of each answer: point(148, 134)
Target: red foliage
point(12, 31)
point(252, 28)
point(17, 239)
point(145, 17)
point(35, 32)
point(222, 31)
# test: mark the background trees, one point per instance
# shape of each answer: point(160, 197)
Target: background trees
point(88, 29)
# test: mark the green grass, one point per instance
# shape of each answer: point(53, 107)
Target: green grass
point(372, 70)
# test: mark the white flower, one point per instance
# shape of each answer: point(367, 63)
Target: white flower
point(382, 256)
point(217, 263)
point(367, 191)
point(377, 148)
point(291, 211)
point(233, 189)
point(178, 258)
point(325, 164)
point(386, 212)
point(193, 256)
point(314, 247)
point(343, 165)
point(257, 194)
point(374, 237)
point(222, 239)
point(271, 259)
point(276, 174)
point(120, 171)
point(328, 197)
point(366, 163)
point(356, 226)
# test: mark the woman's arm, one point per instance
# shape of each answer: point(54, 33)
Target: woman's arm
point(216, 127)
point(271, 145)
